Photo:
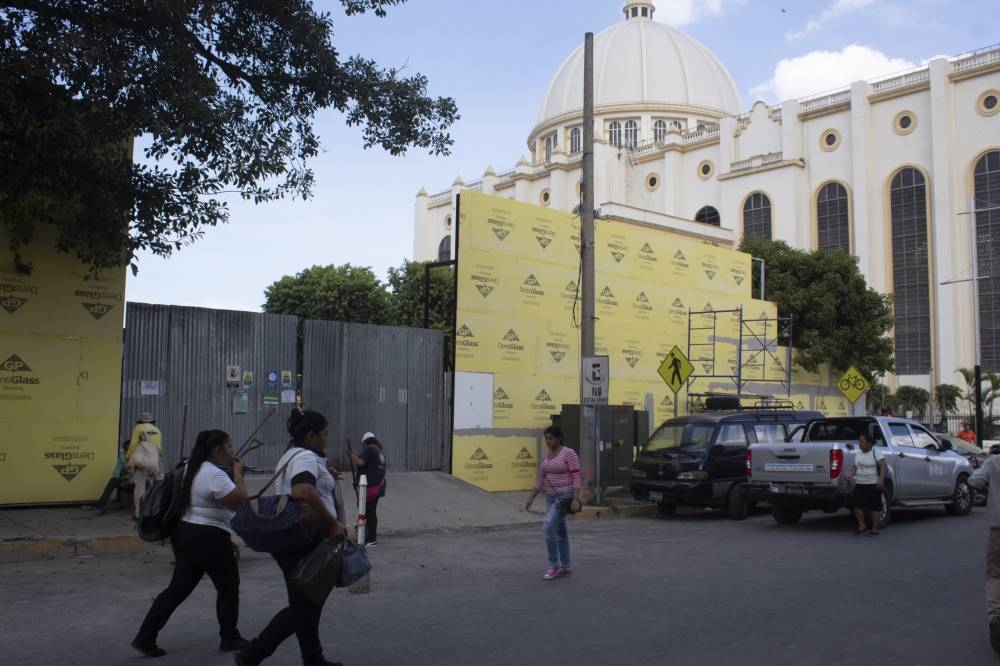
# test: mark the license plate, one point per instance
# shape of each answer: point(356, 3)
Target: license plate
point(782, 488)
point(788, 467)
point(655, 496)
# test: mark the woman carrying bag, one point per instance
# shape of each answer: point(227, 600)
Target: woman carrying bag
point(559, 477)
point(307, 479)
point(202, 544)
point(371, 462)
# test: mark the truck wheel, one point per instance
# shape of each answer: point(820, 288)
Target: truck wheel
point(961, 503)
point(885, 516)
point(785, 515)
point(736, 505)
point(666, 508)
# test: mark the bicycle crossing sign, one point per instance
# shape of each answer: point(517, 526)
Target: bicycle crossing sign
point(675, 369)
point(853, 384)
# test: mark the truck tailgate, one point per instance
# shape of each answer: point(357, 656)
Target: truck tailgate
point(791, 462)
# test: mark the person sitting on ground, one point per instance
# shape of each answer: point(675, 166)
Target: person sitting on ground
point(120, 480)
point(967, 433)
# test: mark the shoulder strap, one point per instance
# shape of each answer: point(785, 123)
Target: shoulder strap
point(276, 475)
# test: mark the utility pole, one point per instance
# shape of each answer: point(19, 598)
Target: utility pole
point(588, 413)
point(978, 371)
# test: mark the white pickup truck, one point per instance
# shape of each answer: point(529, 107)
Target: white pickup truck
point(798, 476)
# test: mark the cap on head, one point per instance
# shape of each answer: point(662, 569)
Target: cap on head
point(368, 435)
point(145, 417)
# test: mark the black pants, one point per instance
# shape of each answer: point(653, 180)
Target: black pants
point(198, 549)
point(300, 617)
point(371, 520)
point(114, 483)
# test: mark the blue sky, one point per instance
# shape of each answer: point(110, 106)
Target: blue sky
point(496, 59)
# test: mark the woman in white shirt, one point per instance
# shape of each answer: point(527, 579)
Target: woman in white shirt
point(202, 544)
point(308, 480)
point(868, 471)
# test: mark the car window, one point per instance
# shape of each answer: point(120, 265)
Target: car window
point(923, 438)
point(877, 436)
point(769, 432)
point(732, 434)
point(827, 431)
point(687, 437)
point(900, 435)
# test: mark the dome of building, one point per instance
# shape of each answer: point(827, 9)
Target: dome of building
point(640, 61)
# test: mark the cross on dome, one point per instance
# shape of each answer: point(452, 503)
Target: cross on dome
point(639, 9)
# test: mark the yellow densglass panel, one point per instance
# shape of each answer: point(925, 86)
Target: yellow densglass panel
point(529, 401)
point(496, 463)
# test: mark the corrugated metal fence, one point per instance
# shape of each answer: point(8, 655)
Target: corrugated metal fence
point(385, 379)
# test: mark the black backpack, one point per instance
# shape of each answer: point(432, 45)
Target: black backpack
point(160, 508)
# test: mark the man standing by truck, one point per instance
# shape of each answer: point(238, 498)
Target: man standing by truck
point(984, 477)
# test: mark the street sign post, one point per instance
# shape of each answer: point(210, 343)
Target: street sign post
point(675, 369)
point(594, 387)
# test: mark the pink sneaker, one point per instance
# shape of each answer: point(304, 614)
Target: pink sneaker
point(563, 571)
point(552, 572)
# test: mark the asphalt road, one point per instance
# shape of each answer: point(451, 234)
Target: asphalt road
point(695, 588)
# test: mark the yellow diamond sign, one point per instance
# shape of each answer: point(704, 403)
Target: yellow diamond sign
point(853, 384)
point(675, 369)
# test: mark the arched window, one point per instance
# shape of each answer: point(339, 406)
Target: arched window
point(910, 276)
point(550, 144)
point(660, 131)
point(615, 133)
point(444, 249)
point(676, 124)
point(708, 215)
point(575, 140)
point(833, 218)
point(757, 216)
point(987, 197)
point(631, 133)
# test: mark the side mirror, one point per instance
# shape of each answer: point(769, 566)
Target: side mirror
point(945, 445)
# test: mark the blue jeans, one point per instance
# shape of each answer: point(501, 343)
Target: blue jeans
point(556, 534)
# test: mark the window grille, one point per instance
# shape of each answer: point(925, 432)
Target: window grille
point(986, 177)
point(444, 249)
point(615, 134)
point(910, 276)
point(708, 215)
point(833, 218)
point(757, 216)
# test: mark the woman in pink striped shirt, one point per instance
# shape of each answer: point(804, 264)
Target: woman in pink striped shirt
point(559, 477)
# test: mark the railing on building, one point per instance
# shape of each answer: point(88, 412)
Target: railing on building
point(901, 80)
point(439, 199)
point(756, 161)
point(989, 55)
point(825, 100)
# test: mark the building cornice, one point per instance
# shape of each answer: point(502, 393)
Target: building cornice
point(798, 162)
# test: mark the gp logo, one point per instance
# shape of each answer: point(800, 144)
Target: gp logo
point(13, 363)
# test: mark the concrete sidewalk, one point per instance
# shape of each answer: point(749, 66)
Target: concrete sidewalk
point(415, 503)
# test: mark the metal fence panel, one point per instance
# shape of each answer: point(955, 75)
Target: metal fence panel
point(187, 350)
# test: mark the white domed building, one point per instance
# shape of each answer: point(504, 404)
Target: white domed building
point(883, 169)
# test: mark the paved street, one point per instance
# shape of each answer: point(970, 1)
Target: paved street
point(692, 589)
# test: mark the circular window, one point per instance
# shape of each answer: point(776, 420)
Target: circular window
point(829, 140)
point(989, 103)
point(447, 221)
point(705, 169)
point(905, 122)
point(544, 198)
point(652, 182)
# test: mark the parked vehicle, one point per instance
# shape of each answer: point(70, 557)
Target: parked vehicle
point(976, 457)
point(796, 477)
point(698, 460)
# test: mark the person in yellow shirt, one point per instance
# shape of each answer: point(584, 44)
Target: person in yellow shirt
point(143, 456)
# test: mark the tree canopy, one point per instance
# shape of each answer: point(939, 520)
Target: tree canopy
point(836, 317)
point(219, 96)
point(354, 294)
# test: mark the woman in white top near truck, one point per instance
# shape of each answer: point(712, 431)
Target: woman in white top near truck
point(868, 473)
point(202, 544)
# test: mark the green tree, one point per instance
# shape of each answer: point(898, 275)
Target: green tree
point(913, 398)
point(407, 295)
point(836, 317)
point(220, 96)
point(989, 386)
point(947, 396)
point(336, 293)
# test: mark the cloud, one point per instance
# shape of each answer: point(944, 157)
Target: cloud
point(817, 71)
point(834, 9)
point(685, 12)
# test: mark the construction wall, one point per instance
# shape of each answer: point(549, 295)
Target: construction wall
point(518, 340)
point(60, 375)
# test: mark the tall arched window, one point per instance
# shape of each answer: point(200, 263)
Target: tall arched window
point(910, 275)
point(615, 133)
point(986, 178)
point(833, 218)
point(631, 133)
point(444, 249)
point(660, 131)
point(575, 140)
point(757, 216)
point(550, 144)
point(708, 215)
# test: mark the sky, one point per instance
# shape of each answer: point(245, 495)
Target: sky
point(497, 59)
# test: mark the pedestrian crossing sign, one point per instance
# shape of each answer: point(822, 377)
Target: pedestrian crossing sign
point(675, 369)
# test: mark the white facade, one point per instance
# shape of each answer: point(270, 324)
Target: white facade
point(670, 140)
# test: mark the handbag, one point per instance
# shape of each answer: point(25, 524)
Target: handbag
point(274, 523)
point(317, 573)
point(145, 457)
point(354, 563)
point(565, 506)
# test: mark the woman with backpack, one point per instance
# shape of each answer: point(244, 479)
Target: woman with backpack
point(202, 544)
point(303, 473)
